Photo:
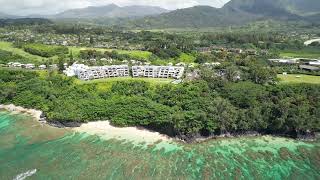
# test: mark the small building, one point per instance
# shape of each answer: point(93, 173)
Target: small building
point(314, 63)
point(16, 64)
point(29, 66)
point(235, 50)
point(285, 61)
point(309, 68)
point(53, 66)
point(42, 67)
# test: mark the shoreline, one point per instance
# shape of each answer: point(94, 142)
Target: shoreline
point(100, 128)
point(137, 134)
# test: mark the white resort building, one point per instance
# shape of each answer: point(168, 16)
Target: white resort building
point(84, 72)
point(158, 71)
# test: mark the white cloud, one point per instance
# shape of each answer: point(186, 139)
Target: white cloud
point(24, 7)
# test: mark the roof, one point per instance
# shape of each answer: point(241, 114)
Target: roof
point(313, 68)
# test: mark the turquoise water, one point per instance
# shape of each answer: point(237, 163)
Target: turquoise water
point(26, 145)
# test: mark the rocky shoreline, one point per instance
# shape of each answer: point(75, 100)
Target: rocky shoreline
point(197, 138)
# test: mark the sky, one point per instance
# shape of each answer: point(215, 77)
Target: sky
point(27, 7)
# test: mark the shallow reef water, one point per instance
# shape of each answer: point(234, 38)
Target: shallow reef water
point(37, 151)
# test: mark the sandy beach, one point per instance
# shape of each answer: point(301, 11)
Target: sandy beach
point(134, 134)
point(101, 128)
point(17, 109)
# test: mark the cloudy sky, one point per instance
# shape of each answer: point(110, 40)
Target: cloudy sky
point(26, 7)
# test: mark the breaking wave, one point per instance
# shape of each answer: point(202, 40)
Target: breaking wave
point(23, 176)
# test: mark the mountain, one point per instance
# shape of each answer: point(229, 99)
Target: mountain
point(198, 16)
point(277, 8)
point(235, 12)
point(24, 21)
point(110, 11)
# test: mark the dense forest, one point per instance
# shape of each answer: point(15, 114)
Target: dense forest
point(208, 106)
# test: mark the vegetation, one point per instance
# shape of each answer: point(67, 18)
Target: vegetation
point(313, 52)
point(224, 91)
point(185, 110)
point(298, 79)
point(25, 57)
point(45, 50)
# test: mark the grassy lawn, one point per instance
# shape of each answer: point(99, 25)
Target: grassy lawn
point(304, 53)
point(105, 84)
point(7, 46)
point(299, 78)
point(135, 54)
point(186, 58)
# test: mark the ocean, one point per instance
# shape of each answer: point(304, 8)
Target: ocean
point(29, 150)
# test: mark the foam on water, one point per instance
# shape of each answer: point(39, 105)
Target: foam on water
point(23, 176)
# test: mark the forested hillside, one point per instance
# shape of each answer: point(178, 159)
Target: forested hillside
point(204, 107)
point(235, 12)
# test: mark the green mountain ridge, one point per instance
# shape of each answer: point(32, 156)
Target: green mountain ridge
point(111, 11)
point(235, 12)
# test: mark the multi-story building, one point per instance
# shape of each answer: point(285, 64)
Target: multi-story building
point(158, 71)
point(84, 72)
point(103, 72)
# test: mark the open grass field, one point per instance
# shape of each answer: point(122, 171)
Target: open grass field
point(7, 46)
point(106, 84)
point(299, 78)
point(304, 53)
point(133, 54)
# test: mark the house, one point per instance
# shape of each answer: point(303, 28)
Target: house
point(285, 61)
point(212, 64)
point(235, 50)
point(314, 63)
point(29, 66)
point(53, 66)
point(42, 67)
point(309, 68)
point(16, 64)
point(9, 64)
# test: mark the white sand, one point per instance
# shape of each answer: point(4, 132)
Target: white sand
point(134, 134)
point(101, 128)
point(17, 109)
